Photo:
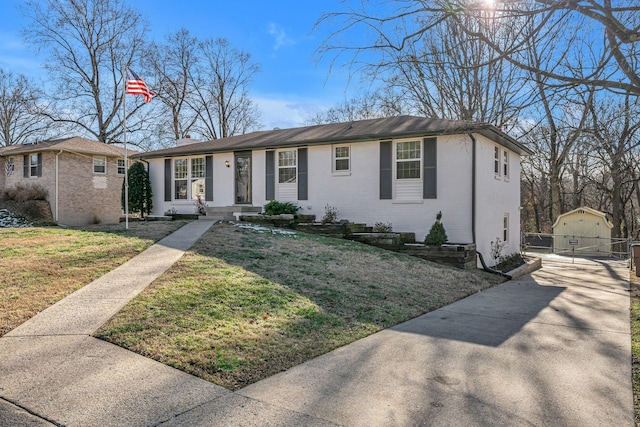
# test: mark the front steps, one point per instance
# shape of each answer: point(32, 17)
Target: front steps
point(230, 213)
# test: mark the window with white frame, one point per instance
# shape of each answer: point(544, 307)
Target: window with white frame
point(408, 160)
point(505, 228)
point(33, 165)
point(99, 165)
point(496, 161)
point(505, 164)
point(180, 179)
point(197, 177)
point(121, 167)
point(341, 158)
point(189, 178)
point(287, 166)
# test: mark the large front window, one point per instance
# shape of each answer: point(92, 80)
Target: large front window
point(287, 166)
point(189, 178)
point(197, 177)
point(180, 173)
point(408, 160)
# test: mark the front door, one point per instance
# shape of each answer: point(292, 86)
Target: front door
point(243, 178)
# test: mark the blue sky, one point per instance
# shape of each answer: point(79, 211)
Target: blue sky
point(278, 34)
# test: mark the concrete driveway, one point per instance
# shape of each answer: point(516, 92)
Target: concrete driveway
point(552, 348)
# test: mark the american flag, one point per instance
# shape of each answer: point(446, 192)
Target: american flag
point(137, 86)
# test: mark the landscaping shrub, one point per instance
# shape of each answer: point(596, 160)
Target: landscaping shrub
point(275, 207)
point(382, 227)
point(25, 192)
point(330, 215)
point(140, 192)
point(437, 235)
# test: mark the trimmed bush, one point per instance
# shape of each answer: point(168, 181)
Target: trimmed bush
point(275, 207)
point(140, 192)
point(437, 235)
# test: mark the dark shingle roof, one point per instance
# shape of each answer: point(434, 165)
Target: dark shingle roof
point(362, 130)
point(74, 144)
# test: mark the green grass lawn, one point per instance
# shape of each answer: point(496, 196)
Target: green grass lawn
point(243, 305)
point(40, 266)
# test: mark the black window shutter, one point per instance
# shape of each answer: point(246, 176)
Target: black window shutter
point(270, 176)
point(25, 166)
point(167, 180)
point(386, 170)
point(302, 174)
point(430, 169)
point(39, 167)
point(208, 178)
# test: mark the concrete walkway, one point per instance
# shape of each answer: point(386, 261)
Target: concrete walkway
point(551, 348)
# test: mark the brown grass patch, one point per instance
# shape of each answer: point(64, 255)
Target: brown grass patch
point(40, 266)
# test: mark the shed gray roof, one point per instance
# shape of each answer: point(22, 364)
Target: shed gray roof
point(356, 131)
point(74, 144)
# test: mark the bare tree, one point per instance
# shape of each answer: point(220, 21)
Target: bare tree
point(614, 133)
point(21, 109)
point(450, 75)
point(87, 43)
point(613, 31)
point(370, 105)
point(173, 63)
point(220, 87)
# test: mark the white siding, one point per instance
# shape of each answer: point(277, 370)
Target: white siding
point(287, 192)
point(496, 196)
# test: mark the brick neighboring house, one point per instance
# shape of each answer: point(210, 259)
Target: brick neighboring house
point(83, 178)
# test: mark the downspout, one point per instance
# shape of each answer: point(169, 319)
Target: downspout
point(473, 188)
point(57, 185)
point(473, 209)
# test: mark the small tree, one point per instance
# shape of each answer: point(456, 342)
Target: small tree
point(437, 235)
point(140, 194)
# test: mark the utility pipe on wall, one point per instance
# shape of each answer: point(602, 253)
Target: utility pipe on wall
point(57, 185)
point(473, 188)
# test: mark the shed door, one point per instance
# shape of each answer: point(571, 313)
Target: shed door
point(587, 230)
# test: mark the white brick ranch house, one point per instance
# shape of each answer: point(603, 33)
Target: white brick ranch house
point(399, 170)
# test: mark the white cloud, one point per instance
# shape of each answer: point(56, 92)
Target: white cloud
point(9, 41)
point(21, 64)
point(283, 112)
point(280, 36)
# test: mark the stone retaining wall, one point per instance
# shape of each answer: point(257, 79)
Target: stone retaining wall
point(461, 256)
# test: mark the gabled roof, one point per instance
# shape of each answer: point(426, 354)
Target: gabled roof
point(590, 211)
point(74, 144)
point(361, 130)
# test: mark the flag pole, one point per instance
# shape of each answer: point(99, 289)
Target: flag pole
point(126, 160)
